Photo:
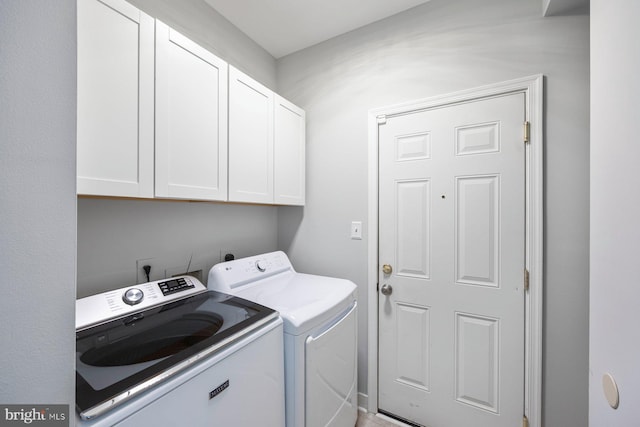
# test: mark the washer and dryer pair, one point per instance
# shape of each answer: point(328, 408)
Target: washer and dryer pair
point(320, 334)
point(174, 352)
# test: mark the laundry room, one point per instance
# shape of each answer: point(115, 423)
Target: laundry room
point(68, 236)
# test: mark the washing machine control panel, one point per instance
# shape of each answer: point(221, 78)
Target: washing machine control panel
point(179, 284)
point(102, 307)
point(133, 296)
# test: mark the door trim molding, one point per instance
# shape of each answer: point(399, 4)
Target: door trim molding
point(532, 87)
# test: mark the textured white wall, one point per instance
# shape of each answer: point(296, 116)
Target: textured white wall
point(37, 201)
point(436, 48)
point(615, 209)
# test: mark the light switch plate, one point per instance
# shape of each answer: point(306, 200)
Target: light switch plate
point(356, 230)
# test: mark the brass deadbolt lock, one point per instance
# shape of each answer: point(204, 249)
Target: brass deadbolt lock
point(386, 269)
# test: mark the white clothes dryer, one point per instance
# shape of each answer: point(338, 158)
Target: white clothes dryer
point(320, 334)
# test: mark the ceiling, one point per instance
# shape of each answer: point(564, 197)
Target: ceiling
point(284, 26)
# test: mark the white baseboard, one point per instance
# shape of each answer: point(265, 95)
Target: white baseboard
point(363, 402)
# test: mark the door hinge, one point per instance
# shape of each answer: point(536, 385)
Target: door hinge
point(382, 119)
point(527, 132)
point(525, 421)
point(526, 280)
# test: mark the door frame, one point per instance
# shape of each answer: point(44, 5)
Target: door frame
point(532, 88)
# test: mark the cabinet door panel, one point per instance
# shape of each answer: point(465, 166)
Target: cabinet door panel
point(289, 153)
point(115, 99)
point(250, 140)
point(191, 119)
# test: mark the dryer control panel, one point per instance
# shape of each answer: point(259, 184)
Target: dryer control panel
point(232, 274)
point(103, 307)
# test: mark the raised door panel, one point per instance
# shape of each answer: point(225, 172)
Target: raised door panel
point(412, 355)
point(476, 358)
point(191, 119)
point(477, 224)
point(250, 140)
point(413, 223)
point(115, 100)
point(289, 153)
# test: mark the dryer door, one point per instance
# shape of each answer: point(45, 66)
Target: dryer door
point(331, 373)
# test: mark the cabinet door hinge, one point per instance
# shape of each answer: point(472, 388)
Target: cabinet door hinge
point(525, 421)
point(527, 132)
point(526, 280)
point(382, 119)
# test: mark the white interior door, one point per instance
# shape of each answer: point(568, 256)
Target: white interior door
point(452, 228)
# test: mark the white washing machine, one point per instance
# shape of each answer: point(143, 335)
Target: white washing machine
point(320, 334)
point(172, 353)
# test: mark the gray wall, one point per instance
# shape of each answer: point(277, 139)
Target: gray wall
point(436, 48)
point(113, 234)
point(37, 201)
point(615, 209)
point(198, 21)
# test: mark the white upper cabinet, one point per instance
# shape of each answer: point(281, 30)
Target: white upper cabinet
point(289, 153)
point(266, 144)
point(161, 116)
point(250, 139)
point(191, 119)
point(115, 99)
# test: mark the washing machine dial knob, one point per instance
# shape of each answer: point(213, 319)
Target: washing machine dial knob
point(133, 296)
point(261, 265)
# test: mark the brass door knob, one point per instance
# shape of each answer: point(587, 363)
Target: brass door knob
point(387, 269)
